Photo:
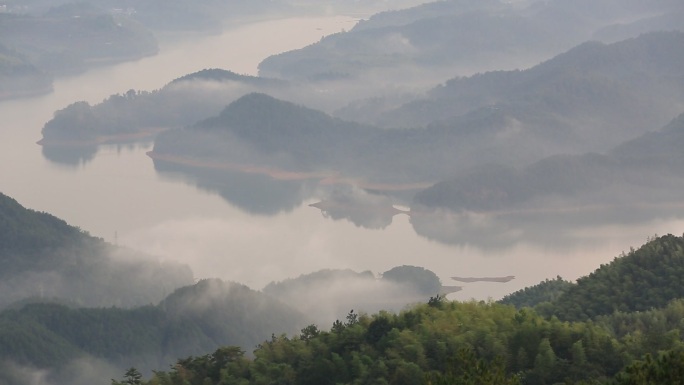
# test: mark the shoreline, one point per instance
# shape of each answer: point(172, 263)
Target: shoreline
point(325, 178)
point(103, 139)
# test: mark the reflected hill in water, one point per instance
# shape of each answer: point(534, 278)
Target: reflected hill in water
point(359, 207)
point(252, 192)
point(69, 155)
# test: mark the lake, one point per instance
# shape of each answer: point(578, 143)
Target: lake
point(119, 195)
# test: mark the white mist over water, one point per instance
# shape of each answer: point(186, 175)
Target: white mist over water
point(119, 192)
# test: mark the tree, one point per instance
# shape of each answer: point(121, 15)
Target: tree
point(309, 332)
point(668, 368)
point(131, 377)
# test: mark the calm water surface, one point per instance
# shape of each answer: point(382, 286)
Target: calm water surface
point(120, 197)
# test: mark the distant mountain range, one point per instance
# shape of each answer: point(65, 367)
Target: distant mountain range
point(460, 37)
point(591, 98)
point(63, 37)
point(643, 171)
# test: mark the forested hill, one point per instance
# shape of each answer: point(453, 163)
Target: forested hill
point(636, 304)
point(69, 38)
point(611, 89)
point(183, 101)
point(327, 295)
point(259, 129)
point(647, 278)
point(452, 37)
point(641, 178)
point(18, 77)
point(270, 119)
point(43, 256)
point(190, 321)
point(546, 291)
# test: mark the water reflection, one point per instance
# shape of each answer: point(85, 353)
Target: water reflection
point(251, 192)
point(65, 155)
point(559, 228)
point(359, 207)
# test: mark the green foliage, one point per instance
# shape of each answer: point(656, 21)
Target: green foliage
point(446, 342)
point(667, 368)
point(424, 281)
point(637, 281)
point(459, 343)
point(468, 369)
point(546, 291)
point(132, 377)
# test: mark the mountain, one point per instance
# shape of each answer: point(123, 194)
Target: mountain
point(643, 171)
point(546, 201)
point(42, 257)
point(266, 136)
point(589, 98)
point(327, 295)
point(546, 291)
point(640, 280)
point(259, 130)
point(442, 39)
point(20, 78)
point(161, 16)
point(140, 115)
point(190, 321)
point(72, 37)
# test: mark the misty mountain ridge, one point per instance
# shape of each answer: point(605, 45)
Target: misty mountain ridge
point(221, 75)
point(643, 166)
point(329, 294)
point(62, 37)
point(73, 134)
point(71, 38)
point(549, 200)
point(599, 95)
point(478, 34)
point(591, 98)
point(190, 321)
point(20, 78)
point(42, 256)
point(258, 129)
